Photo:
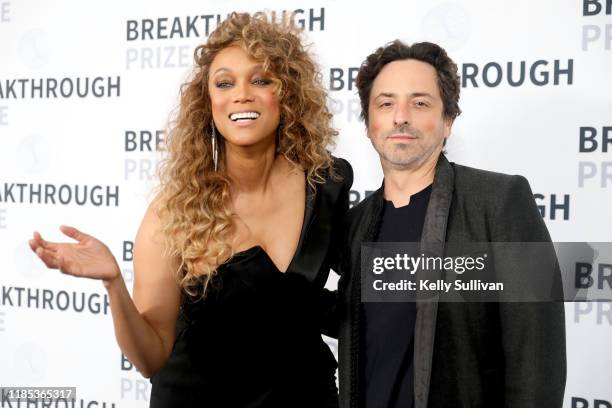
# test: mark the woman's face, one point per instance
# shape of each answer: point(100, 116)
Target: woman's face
point(245, 107)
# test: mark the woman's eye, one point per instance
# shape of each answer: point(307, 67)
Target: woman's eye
point(262, 81)
point(223, 84)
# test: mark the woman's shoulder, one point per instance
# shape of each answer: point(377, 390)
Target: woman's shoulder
point(342, 166)
point(343, 171)
point(335, 190)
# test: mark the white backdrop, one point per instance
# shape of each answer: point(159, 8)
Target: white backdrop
point(76, 78)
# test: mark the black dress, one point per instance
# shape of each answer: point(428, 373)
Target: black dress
point(255, 339)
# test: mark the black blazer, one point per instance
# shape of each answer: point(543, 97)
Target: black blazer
point(466, 354)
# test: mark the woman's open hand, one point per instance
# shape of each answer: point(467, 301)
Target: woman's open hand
point(87, 257)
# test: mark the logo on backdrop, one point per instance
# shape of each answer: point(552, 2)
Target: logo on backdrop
point(601, 312)
point(200, 26)
point(517, 73)
point(579, 402)
point(491, 74)
point(348, 108)
point(343, 79)
point(127, 256)
point(49, 299)
point(5, 12)
point(594, 141)
point(593, 275)
point(47, 88)
point(587, 275)
point(196, 28)
point(64, 194)
point(133, 387)
point(596, 36)
point(142, 143)
point(553, 206)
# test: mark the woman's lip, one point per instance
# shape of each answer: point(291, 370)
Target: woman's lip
point(245, 111)
point(243, 123)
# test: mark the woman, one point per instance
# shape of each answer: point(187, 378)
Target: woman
point(232, 255)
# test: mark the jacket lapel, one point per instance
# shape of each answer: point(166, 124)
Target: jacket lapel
point(366, 231)
point(432, 243)
point(316, 230)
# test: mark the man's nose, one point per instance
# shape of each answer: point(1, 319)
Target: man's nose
point(402, 115)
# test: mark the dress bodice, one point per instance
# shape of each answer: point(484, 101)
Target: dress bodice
point(255, 339)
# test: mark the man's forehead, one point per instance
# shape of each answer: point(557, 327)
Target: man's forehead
point(416, 94)
point(405, 78)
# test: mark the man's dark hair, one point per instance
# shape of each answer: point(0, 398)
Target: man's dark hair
point(448, 80)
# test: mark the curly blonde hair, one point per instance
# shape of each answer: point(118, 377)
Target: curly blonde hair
point(194, 199)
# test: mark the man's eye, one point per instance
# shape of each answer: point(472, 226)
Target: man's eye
point(421, 104)
point(385, 104)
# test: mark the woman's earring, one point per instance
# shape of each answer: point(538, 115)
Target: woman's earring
point(279, 131)
point(213, 140)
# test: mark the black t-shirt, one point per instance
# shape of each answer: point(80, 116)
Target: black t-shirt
point(387, 331)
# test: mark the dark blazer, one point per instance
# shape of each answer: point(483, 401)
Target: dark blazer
point(465, 354)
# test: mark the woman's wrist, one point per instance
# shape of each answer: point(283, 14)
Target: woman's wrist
point(112, 282)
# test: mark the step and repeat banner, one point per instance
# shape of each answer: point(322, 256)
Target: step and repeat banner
point(86, 89)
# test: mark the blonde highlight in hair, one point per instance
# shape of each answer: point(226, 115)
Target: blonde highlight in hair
point(194, 200)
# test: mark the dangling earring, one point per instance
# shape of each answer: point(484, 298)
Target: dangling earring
point(213, 141)
point(279, 131)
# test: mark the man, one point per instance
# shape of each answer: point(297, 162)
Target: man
point(437, 354)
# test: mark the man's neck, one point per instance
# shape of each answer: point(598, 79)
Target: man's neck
point(401, 184)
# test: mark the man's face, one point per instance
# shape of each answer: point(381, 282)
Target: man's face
point(406, 123)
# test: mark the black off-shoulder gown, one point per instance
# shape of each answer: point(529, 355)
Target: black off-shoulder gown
point(255, 339)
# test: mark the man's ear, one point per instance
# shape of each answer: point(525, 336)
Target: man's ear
point(448, 124)
point(367, 132)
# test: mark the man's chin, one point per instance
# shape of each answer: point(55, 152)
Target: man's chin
point(401, 161)
point(403, 154)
